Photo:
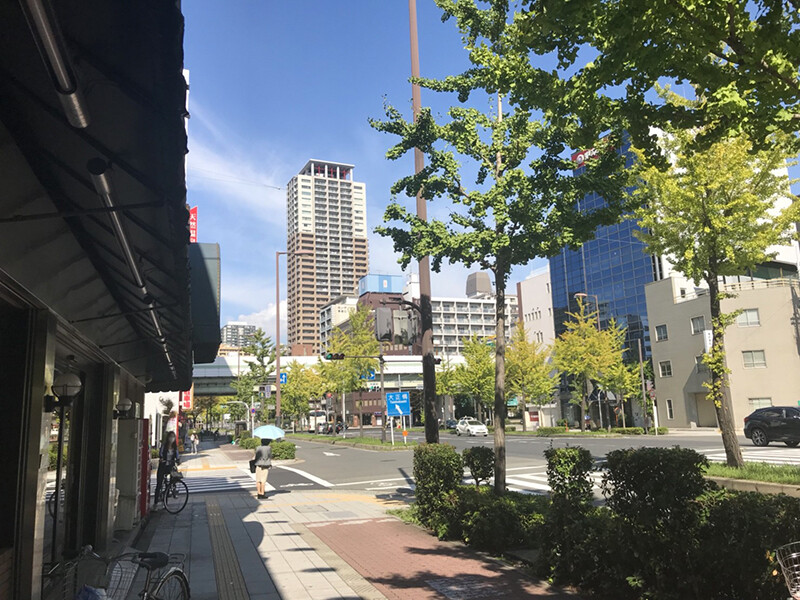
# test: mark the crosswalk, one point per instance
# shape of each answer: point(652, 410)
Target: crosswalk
point(221, 483)
point(536, 483)
point(768, 454)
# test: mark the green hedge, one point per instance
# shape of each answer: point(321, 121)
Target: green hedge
point(480, 462)
point(628, 430)
point(249, 443)
point(52, 457)
point(438, 471)
point(283, 450)
point(545, 431)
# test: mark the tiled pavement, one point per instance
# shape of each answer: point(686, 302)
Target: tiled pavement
point(321, 545)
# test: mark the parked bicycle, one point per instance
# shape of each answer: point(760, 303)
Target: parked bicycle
point(789, 560)
point(57, 495)
point(114, 577)
point(174, 492)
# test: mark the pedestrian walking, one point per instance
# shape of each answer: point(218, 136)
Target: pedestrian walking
point(169, 457)
point(263, 462)
point(195, 443)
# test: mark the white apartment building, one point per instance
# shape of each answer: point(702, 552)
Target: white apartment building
point(237, 333)
point(333, 314)
point(456, 320)
point(327, 219)
point(536, 306)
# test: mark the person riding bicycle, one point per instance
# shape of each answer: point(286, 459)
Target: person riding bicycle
point(169, 457)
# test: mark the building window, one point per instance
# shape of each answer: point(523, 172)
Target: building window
point(670, 409)
point(759, 402)
point(665, 368)
point(661, 333)
point(698, 325)
point(748, 318)
point(700, 365)
point(754, 359)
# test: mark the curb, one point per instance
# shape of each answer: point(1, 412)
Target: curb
point(761, 487)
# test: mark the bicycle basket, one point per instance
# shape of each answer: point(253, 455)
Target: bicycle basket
point(789, 560)
point(176, 474)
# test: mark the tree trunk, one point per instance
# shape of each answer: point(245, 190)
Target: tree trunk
point(719, 381)
point(583, 402)
point(428, 371)
point(360, 413)
point(500, 380)
point(524, 408)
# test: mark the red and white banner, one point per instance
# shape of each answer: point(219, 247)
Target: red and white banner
point(579, 158)
point(193, 224)
point(187, 399)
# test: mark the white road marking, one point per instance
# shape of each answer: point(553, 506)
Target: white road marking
point(308, 476)
point(371, 481)
point(295, 485)
point(331, 454)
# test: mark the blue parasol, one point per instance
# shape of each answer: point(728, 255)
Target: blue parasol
point(270, 432)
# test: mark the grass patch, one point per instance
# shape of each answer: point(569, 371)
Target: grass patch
point(753, 471)
point(353, 440)
point(409, 514)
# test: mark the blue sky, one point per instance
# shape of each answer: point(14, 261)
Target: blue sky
point(276, 83)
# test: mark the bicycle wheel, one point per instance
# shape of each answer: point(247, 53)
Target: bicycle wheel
point(173, 586)
point(176, 495)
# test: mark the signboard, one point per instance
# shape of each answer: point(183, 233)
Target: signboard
point(369, 376)
point(398, 403)
point(284, 378)
point(252, 411)
point(193, 225)
point(187, 399)
point(708, 340)
point(580, 158)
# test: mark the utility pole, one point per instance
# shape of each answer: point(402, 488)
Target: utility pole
point(426, 312)
point(383, 400)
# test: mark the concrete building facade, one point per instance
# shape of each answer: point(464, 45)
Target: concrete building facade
point(237, 333)
point(326, 217)
point(762, 347)
point(332, 315)
point(536, 306)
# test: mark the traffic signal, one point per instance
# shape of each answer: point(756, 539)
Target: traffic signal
point(334, 356)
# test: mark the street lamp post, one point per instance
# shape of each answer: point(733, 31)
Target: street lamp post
point(278, 326)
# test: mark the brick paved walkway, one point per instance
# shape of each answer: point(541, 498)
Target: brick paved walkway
point(405, 563)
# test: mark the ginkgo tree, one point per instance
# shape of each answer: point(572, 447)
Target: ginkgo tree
point(532, 378)
point(303, 384)
point(716, 212)
point(505, 176)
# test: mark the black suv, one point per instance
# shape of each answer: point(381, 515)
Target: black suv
point(773, 424)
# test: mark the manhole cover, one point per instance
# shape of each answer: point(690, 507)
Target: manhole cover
point(311, 508)
point(465, 588)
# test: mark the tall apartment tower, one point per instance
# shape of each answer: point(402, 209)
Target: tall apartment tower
point(326, 215)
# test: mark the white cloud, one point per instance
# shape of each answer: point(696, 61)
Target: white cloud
point(265, 319)
point(235, 175)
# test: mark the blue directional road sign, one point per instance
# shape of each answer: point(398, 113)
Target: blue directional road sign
point(283, 378)
point(369, 376)
point(398, 403)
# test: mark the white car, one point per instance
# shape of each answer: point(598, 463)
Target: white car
point(471, 427)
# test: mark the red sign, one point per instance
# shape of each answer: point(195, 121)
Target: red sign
point(187, 399)
point(580, 158)
point(193, 224)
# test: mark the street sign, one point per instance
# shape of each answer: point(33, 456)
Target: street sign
point(283, 378)
point(398, 403)
point(252, 411)
point(369, 376)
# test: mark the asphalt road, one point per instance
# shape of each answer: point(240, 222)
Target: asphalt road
point(322, 465)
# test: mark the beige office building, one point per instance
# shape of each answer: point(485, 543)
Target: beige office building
point(762, 346)
point(326, 215)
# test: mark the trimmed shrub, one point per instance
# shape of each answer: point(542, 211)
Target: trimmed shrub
point(563, 556)
point(244, 434)
point(562, 423)
point(283, 450)
point(663, 430)
point(546, 431)
point(249, 443)
point(438, 471)
point(153, 453)
point(628, 430)
point(480, 462)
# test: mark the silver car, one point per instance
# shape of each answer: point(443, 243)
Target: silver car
point(471, 427)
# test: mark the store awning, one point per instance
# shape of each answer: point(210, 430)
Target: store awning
point(93, 216)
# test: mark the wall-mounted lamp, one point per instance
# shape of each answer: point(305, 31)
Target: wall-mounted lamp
point(65, 387)
point(123, 406)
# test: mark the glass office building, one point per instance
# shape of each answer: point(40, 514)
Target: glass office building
point(612, 270)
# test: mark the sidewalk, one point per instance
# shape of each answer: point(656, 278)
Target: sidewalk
point(320, 545)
